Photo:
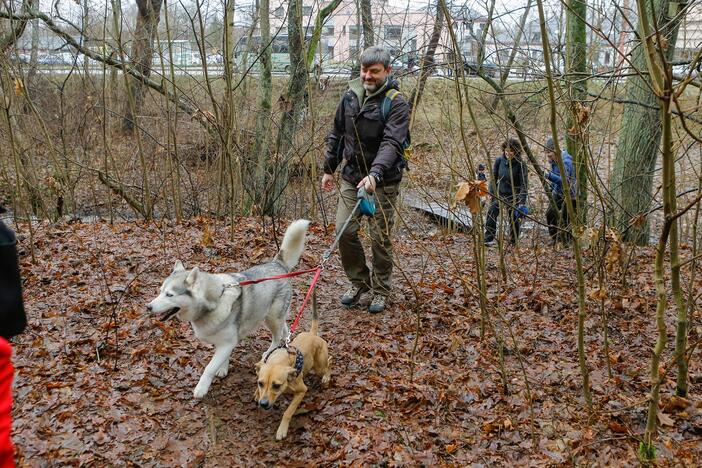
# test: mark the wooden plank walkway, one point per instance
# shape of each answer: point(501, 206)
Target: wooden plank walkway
point(440, 211)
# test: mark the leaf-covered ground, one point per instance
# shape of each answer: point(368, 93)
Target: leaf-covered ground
point(101, 383)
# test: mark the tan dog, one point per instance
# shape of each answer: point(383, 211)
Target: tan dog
point(282, 372)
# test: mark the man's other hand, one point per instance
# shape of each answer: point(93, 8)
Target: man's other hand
point(368, 182)
point(327, 182)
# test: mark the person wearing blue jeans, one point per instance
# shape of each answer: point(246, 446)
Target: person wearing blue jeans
point(509, 186)
point(557, 214)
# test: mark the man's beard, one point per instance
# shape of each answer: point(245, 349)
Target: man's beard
point(370, 87)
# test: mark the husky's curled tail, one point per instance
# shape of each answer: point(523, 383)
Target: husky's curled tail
point(293, 244)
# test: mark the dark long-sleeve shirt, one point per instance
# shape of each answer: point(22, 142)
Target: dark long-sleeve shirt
point(511, 178)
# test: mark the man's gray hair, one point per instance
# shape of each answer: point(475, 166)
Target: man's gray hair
point(375, 54)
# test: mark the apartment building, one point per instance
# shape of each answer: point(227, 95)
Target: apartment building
point(690, 34)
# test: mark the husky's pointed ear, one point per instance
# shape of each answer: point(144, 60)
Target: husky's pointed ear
point(192, 276)
point(178, 266)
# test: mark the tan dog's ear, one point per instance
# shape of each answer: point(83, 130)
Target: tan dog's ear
point(259, 364)
point(292, 374)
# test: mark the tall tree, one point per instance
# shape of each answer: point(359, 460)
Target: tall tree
point(427, 63)
point(640, 135)
point(263, 164)
point(295, 100)
point(8, 39)
point(576, 71)
point(148, 14)
point(321, 17)
point(292, 104)
point(367, 22)
point(654, 45)
point(34, 53)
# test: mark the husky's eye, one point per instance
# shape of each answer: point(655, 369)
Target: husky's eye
point(276, 386)
point(169, 295)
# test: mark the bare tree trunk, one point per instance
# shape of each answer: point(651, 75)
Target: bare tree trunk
point(33, 54)
point(148, 15)
point(483, 36)
point(576, 71)
point(17, 28)
point(317, 31)
point(653, 47)
point(229, 116)
point(640, 136)
point(262, 163)
point(292, 103)
point(83, 35)
point(570, 208)
point(505, 69)
point(356, 68)
point(427, 64)
point(367, 21)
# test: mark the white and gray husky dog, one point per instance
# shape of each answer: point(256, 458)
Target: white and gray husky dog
point(223, 314)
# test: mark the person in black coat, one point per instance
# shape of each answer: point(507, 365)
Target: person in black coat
point(12, 322)
point(508, 187)
point(12, 317)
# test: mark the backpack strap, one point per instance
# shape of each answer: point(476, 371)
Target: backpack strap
point(386, 104)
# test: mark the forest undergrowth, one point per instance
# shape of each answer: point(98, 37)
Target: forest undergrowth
point(98, 380)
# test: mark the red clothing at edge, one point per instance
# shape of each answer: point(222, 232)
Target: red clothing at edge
point(7, 452)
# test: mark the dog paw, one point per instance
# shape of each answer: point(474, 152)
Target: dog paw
point(325, 379)
point(222, 371)
point(282, 433)
point(200, 390)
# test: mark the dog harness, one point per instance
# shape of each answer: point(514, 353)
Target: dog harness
point(299, 358)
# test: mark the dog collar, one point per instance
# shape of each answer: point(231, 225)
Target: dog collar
point(232, 284)
point(299, 362)
point(299, 357)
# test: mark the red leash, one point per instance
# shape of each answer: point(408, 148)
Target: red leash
point(318, 272)
point(287, 275)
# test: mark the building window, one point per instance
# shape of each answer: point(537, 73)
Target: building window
point(353, 52)
point(279, 12)
point(306, 10)
point(607, 58)
point(330, 52)
point(393, 32)
point(328, 31)
point(353, 31)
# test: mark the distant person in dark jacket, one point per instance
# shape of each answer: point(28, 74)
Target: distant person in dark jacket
point(557, 214)
point(371, 148)
point(480, 175)
point(12, 322)
point(508, 187)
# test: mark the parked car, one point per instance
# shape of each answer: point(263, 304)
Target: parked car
point(490, 69)
point(50, 59)
point(682, 69)
point(398, 67)
point(215, 59)
point(19, 57)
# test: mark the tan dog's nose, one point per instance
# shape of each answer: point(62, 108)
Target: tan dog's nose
point(264, 404)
